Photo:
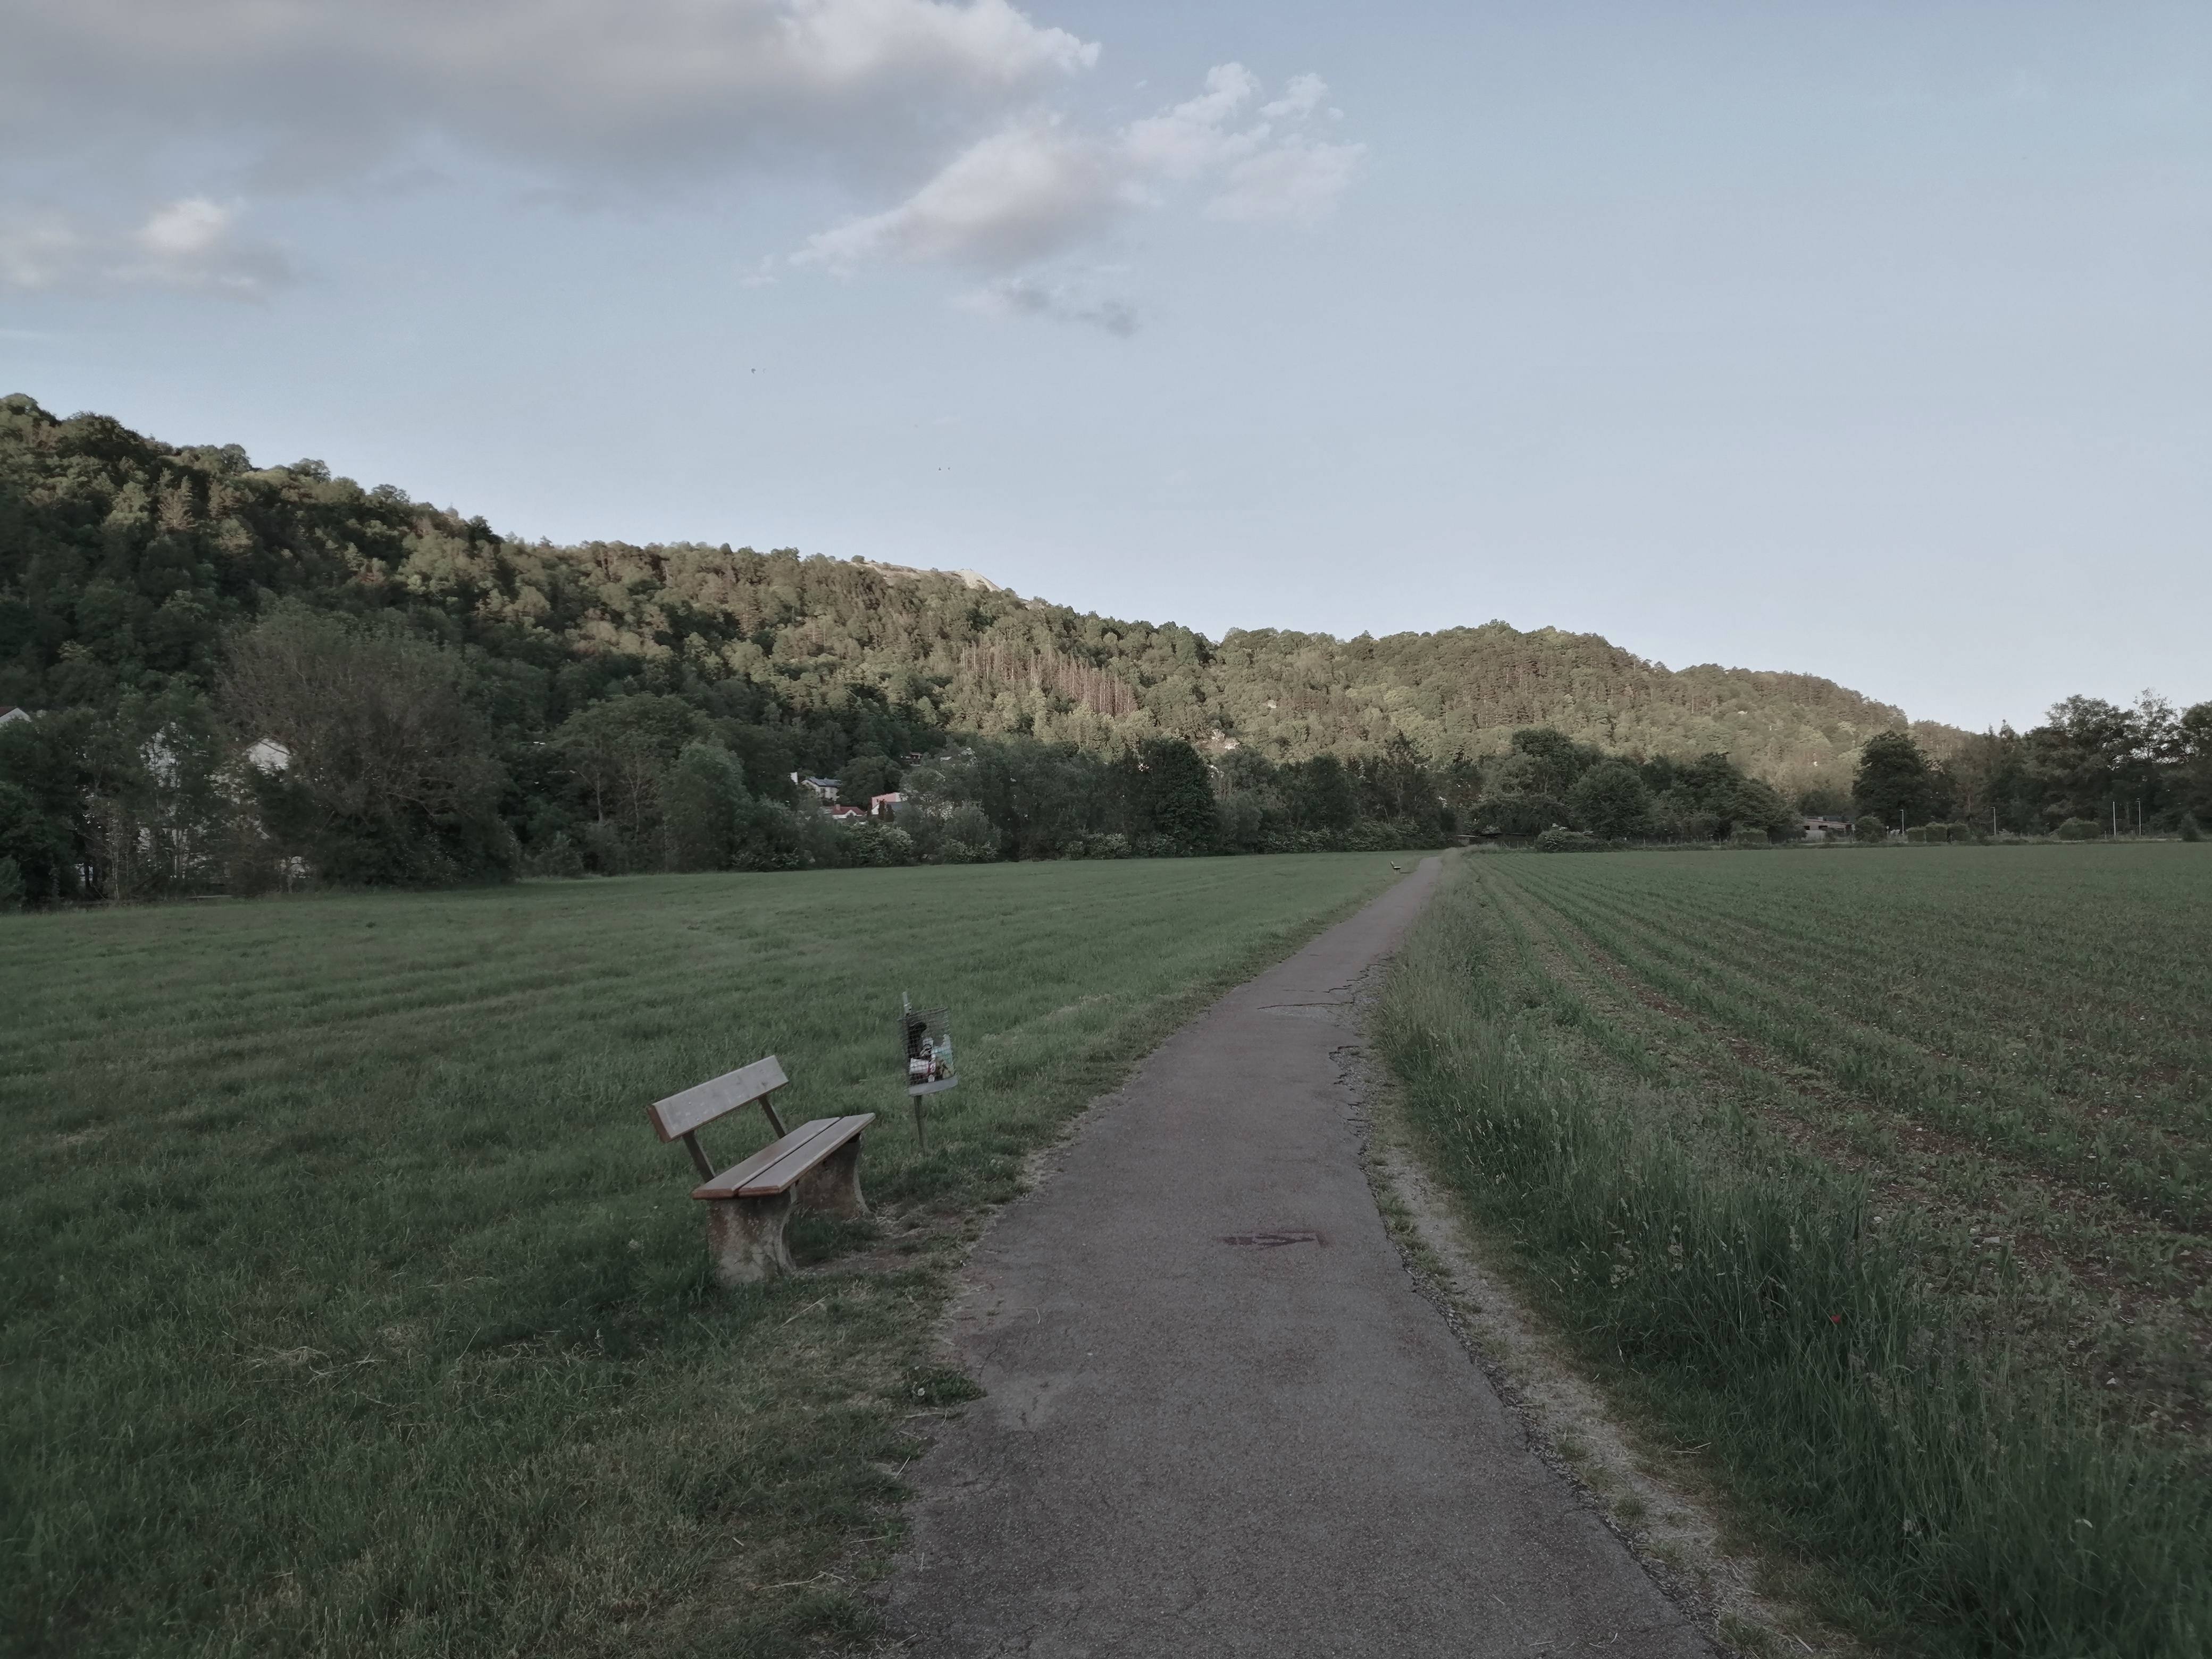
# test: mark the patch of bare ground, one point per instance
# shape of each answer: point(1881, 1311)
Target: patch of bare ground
point(1656, 1498)
point(2115, 1322)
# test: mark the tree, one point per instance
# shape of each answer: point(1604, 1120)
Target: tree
point(863, 777)
point(1175, 796)
point(1321, 796)
point(1548, 761)
point(1610, 800)
point(35, 841)
point(708, 809)
point(1824, 800)
point(383, 770)
point(619, 752)
point(1892, 779)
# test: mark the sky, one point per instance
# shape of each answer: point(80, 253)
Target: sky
point(1868, 340)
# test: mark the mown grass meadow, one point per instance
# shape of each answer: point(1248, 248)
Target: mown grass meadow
point(1875, 1179)
point(352, 1308)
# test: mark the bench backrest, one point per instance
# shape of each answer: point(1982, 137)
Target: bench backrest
point(680, 1113)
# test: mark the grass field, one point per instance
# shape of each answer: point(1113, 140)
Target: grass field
point(1885, 1175)
point(353, 1307)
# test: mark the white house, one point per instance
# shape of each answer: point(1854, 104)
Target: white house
point(10, 715)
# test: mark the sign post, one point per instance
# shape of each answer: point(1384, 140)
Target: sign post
point(928, 1046)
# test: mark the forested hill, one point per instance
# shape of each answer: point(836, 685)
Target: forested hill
point(123, 562)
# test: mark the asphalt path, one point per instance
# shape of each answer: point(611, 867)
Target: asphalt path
point(1219, 1418)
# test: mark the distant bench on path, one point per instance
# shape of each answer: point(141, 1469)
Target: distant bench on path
point(818, 1163)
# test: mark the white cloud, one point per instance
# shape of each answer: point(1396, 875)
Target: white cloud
point(1021, 195)
point(1192, 138)
point(1301, 98)
point(185, 233)
point(192, 243)
point(196, 243)
point(1037, 188)
point(1296, 182)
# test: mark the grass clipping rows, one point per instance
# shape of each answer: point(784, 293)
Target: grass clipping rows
point(354, 1308)
point(1962, 1499)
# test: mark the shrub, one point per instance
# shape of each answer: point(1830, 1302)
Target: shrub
point(1749, 834)
point(11, 884)
point(2080, 829)
point(1869, 827)
point(1556, 840)
point(874, 843)
point(559, 856)
point(2188, 829)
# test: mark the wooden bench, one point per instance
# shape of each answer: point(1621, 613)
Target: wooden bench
point(817, 1164)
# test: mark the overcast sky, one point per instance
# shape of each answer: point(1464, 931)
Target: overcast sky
point(1872, 340)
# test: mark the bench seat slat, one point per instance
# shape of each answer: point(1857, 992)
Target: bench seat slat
point(727, 1184)
point(781, 1164)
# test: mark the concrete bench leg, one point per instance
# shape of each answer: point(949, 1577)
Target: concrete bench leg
point(834, 1184)
point(744, 1237)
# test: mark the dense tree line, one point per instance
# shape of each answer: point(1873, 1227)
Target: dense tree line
point(2146, 768)
point(247, 677)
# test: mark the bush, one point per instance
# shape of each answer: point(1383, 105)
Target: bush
point(1749, 834)
point(2188, 829)
point(2080, 829)
point(1556, 840)
point(11, 884)
point(877, 844)
point(1112, 845)
point(1869, 827)
point(558, 856)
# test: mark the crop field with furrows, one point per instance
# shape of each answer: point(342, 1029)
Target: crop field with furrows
point(2013, 1045)
point(353, 1307)
point(1828, 1155)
